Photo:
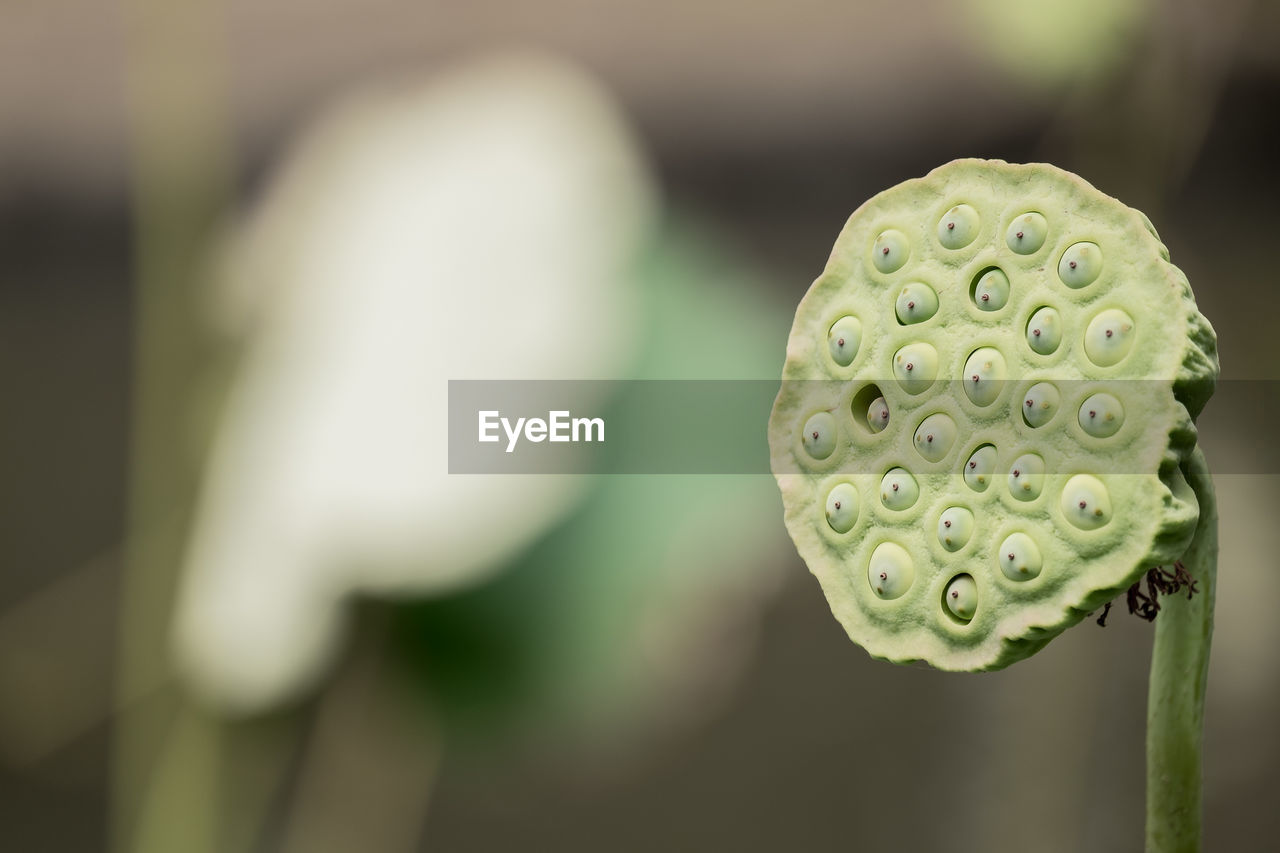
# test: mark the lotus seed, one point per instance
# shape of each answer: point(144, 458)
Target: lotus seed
point(1101, 415)
point(961, 597)
point(991, 292)
point(842, 508)
point(1085, 502)
point(1109, 337)
point(844, 339)
point(878, 414)
point(955, 526)
point(1019, 557)
point(959, 227)
point(899, 489)
point(890, 251)
point(819, 435)
point(1080, 265)
point(891, 570)
point(1026, 234)
point(916, 366)
point(1044, 331)
point(1040, 404)
point(980, 467)
point(935, 436)
point(1026, 477)
point(984, 374)
point(916, 303)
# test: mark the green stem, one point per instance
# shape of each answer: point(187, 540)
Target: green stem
point(1179, 668)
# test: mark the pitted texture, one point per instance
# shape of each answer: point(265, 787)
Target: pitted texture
point(988, 405)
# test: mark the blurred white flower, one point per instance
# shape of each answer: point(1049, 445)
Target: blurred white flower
point(480, 226)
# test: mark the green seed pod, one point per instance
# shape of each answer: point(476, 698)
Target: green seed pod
point(878, 414)
point(991, 290)
point(1048, 340)
point(916, 303)
point(844, 339)
point(935, 436)
point(842, 508)
point(1101, 415)
point(819, 435)
point(961, 597)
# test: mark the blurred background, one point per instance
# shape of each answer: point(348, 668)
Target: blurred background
point(243, 247)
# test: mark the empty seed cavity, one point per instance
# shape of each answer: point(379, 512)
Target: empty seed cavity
point(1101, 415)
point(990, 290)
point(1040, 404)
point(1019, 557)
point(935, 436)
point(842, 508)
point(819, 435)
point(1109, 337)
point(890, 571)
point(1080, 265)
point(1085, 502)
point(890, 251)
point(961, 597)
point(1044, 330)
point(917, 302)
point(899, 490)
point(843, 340)
point(980, 467)
point(955, 527)
point(916, 366)
point(1026, 233)
point(959, 227)
point(984, 375)
point(1026, 477)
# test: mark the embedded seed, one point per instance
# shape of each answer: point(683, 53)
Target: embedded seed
point(878, 414)
point(1019, 557)
point(890, 251)
point(984, 374)
point(1026, 477)
point(1101, 415)
point(916, 366)
point(961, 596)
point(958, 227)
point(916, 303)
point(991, 292)
point(899, 490)
point(1085, 502)
point(819, 435)
point(934, 436)
point(890, 571)
point(842, 508)
point(955, 526)
point(1040, 404)
point(1080, 265)
point(980, 467)
point(1044, 330)
point(1109, 337)
point(844, 339)
point(1026, 234)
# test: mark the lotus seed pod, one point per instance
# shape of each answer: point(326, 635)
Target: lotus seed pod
point(1040, 404)
point(842, 508)
point(916, 303)
point(1044, 331)
point(955, 527)
point(891, 570)
point(844, 340)
point(1101, 415)
point(959, 227)
point(1080, 265)
point(819, 435)
point(980, 467)
point(961, 597)
point(984, 374)
point(1019, 557)
point(935, 436)
point(916, 366)
point(1048, 340)
point(1027, 233)
point(899, 490)
point(878, 414)
point(991, 291)
point(1109, 337)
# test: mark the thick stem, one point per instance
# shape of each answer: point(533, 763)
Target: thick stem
point(1179, 668)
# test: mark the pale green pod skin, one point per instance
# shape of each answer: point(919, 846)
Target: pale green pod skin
point(878, 415)
point(916, 303)
point(890, 252)
point(844, 339)
point(891, 571)
point(819, 435)
point(1019, 557)
point(915, 366)
point(1101, 415)
point(1109, 337)
point(955, 527)
point(1027, 233)
point(991, 293)
point(842, 508)
point(984, 374)
point(1140, 468)
point(1040, 404)
point(899, 489)
point(961, 597)
point(959, 227)
point(1026, 477)
point(1081, 265)
point(935, 436)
